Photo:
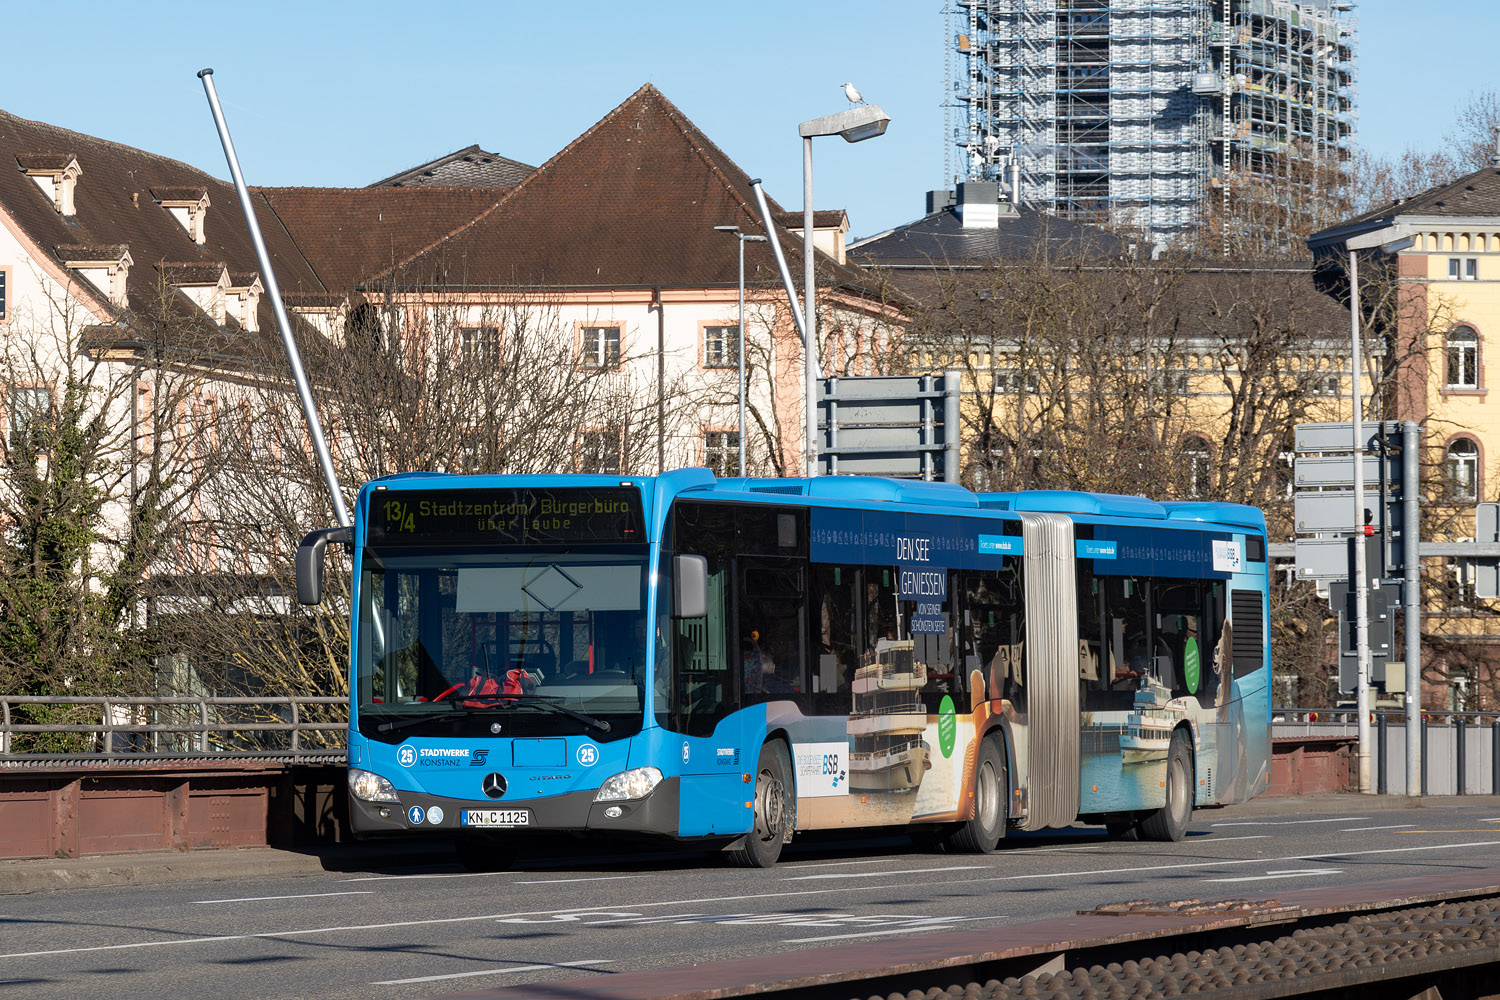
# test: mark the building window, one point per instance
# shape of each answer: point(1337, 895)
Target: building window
point(721, 346)
point(4, 294)
point(479, 345)
point(721, 452)
point(1463, 358)
point(1463, 470)
point(30, 408)
point(601, 347)
point(1463, 268)
point(1195, 457)
point(599, 451)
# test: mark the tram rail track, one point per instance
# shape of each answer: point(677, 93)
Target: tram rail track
point(1392, 940)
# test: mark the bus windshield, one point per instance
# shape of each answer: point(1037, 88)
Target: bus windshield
point(534, 640)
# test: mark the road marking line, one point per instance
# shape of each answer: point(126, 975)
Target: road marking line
point(1224, 840)
point(492, 972)
point(920, 929)
point(1292, 822)
point(591, 878)
point(1289, 873)
point(832, 864)
point(1361, 829)
point(901, 871)
point(699, 901)
point(305, 895)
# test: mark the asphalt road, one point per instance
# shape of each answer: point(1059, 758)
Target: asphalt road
point(420, 931)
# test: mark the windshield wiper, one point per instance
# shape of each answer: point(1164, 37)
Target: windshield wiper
point(416, 720)
point(549, 701)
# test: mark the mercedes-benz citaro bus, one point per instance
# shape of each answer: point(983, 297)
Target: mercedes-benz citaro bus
point(731, 661)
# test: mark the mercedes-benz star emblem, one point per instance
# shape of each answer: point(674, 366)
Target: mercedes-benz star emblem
point(494, 785)
point(495, 727)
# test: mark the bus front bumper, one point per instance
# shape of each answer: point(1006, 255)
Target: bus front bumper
point(657, 813)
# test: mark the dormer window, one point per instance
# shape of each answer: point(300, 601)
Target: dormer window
point(207, 285)
point(243, 295)
point(106, 267)
point(188, 205)
point(56, 174)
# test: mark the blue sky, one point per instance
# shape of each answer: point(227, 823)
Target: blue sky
point(343, 94)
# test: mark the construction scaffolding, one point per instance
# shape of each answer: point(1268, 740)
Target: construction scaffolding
point(1146, 112)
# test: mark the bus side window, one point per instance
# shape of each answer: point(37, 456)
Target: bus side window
point(772, 611)
point(835, 637)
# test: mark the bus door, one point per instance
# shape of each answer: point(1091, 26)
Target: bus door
point(1047, 744)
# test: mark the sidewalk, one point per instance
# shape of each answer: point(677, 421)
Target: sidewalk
point(151, 867)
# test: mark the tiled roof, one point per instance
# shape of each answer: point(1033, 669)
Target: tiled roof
point(632, 202)
point(114, 207)
point(86, 251)
point(349, 234)
point(835, 218)
point(941, 240)
point(44, 161)
point(178, 273)
point(468, 167)
point(1476, 194)
point(178, 193)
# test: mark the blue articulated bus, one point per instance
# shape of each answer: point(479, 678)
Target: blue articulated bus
point(731, 661)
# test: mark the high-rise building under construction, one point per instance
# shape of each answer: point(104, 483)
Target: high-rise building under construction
point(1153, 113)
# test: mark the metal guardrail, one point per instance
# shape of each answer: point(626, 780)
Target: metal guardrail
point(178, 728)
point(1460, 751)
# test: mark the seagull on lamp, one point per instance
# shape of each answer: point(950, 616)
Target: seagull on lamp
point(851, 92)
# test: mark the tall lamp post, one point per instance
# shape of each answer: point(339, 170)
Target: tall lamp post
point(1392, 239)
point(857, 124)
point(742, 239)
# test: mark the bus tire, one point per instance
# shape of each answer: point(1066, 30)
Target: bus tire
point(761, 847)
point(484, 852)
point(1170, 822)
point(982, 834)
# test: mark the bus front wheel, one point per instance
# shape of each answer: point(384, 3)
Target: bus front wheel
point(761, 847)
point(1170, 822)
point(982, 833)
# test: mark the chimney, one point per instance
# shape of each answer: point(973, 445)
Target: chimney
point(979, 204)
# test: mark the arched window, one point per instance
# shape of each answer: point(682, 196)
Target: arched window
point(1462, 348)
point(1463, 470)
point(1195, 460)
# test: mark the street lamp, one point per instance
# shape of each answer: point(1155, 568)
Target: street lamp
point(1392, 239)
point(742, 239)
point(857, 124)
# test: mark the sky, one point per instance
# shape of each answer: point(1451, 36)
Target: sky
point(341, 94)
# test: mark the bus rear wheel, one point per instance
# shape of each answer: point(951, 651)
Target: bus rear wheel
point(1170, 822)
point(761, 847)
point(982, 833)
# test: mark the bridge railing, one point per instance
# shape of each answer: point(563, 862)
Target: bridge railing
point(37, 729)
point(1460, 751)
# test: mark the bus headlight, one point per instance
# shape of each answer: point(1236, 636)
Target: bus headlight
point(636, 783)
point(371, 787)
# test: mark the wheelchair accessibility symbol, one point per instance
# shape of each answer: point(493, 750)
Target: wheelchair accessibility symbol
point(588, 754)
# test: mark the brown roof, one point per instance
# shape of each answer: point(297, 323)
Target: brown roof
point(178, 193)
point(831, 218)
point(349, 234)
point(190, 273)
point(1476, 194)
point(87, 251)
point(45, 161)
point(467, 167)
point(632, 202)
point(114, 207)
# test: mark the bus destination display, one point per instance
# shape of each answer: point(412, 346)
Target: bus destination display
point(505, 517)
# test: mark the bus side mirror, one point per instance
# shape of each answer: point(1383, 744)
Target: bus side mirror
point(689, 586)
point(310, 561)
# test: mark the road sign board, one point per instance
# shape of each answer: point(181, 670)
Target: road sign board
point(1340, 436)
point(1322, 558)
point(1333, 510)
point(1487, 571)
point(1311, 471)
